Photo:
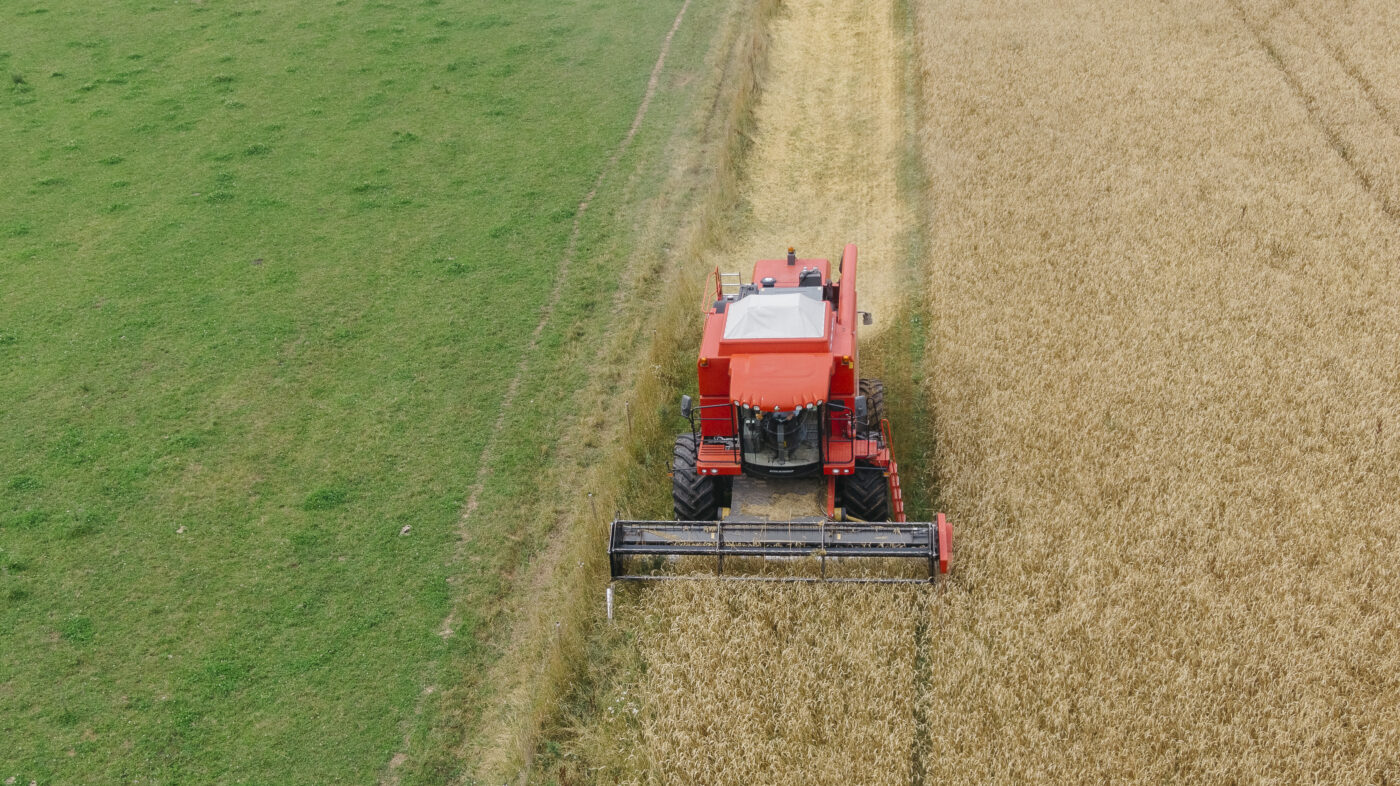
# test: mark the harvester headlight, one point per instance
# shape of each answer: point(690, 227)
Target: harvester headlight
point(811, 406)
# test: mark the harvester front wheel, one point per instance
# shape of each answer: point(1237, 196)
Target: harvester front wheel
point(696, 497)
point(874, 392)
point(866, 494)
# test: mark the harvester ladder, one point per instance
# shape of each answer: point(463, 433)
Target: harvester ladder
point(896, 493)
point(729, 284)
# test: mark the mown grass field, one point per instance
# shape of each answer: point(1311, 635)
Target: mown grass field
point(265, 273)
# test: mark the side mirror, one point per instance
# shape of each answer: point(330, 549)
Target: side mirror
point(865, 318)
point(862, 410)
point(685, 407)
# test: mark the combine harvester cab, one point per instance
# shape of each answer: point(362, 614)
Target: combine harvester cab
point(789, 455)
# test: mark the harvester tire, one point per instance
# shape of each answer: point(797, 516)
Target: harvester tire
point(874, 392)
point(696, 497)
point(866, 494)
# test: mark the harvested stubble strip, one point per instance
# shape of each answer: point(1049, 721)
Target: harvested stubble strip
point(823, 169)
point(749, 683)
point(1166, 372)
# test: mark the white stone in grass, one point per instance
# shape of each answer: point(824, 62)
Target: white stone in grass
point(181, 530)
point(405, 530)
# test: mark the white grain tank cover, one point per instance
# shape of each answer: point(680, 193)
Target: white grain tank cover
point(776, 316)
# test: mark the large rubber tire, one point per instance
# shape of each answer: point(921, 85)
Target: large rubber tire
point(866, 494)
point(696, 497)
point(874, 392)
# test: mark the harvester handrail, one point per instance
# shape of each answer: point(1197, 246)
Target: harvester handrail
point(698, 418)
point(846, 311)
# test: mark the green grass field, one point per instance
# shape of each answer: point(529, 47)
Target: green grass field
point(265, 273)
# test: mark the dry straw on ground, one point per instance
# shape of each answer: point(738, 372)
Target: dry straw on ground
point(823, 168)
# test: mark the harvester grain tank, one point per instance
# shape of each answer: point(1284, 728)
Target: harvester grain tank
point(783, 413)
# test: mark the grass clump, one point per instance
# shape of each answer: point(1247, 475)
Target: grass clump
point(76, 629)
point(325, 499)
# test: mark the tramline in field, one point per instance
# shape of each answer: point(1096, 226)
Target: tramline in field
point(783, 416)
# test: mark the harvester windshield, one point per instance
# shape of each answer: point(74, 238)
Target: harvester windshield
point(781, 443)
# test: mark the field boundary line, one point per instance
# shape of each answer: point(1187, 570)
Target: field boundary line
point(489, 453)
point(513, 388)
point(914, 188)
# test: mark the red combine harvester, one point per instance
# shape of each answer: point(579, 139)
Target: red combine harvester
point(788, 453)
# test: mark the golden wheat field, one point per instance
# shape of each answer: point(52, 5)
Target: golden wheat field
point(1161, 259)
point(1166, 379)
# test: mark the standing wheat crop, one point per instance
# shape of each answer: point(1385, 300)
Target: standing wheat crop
point(1166, 378)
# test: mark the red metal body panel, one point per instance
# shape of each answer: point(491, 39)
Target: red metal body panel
point(779, 381)
point(945, 543)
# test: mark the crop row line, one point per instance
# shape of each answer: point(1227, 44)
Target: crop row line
point(1313, 101)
